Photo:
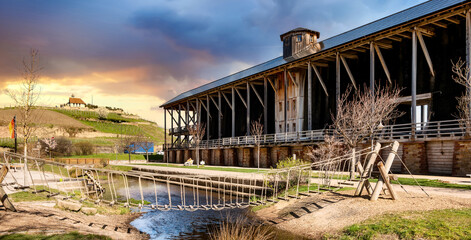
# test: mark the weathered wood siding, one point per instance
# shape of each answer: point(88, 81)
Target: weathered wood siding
point(440, 157)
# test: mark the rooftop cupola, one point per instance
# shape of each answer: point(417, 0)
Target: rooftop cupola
point(299, 43)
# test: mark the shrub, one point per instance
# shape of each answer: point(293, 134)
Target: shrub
point(73, 131)
point(83, 148)
point(64, 146)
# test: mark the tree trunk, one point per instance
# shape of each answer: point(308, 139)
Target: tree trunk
point(25, 182)
point(129, 154)
point(352, 165)
point(258, 157)
point(197, 156)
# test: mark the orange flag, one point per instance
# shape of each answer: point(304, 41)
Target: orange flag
point(11, 128)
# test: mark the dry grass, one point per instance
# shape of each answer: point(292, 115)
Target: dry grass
point(47, 118)
point(241, 229)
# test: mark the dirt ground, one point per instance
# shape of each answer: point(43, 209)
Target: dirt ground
point(314, 216)
point(42, 218)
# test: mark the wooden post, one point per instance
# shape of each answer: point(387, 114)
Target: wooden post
point(187, 116)
point(233, 112)
point(179, 138)
point(219, 116)
point(265, 108)
point(372, 69)
point(207, 117)
point(366, 172)
point(286, 100)
point(337, 81)
point(389, 161)
point(414, 82)
point(468, 49)
point(171, 125)
point(165, 135)
point(385, 176)
point(248, 108)
point(309, 96)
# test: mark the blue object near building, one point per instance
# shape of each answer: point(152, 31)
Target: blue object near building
point(141, 147)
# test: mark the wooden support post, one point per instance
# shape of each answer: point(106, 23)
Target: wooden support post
point(425, 51)
point(187, 116)
point(165, 136)
point(171, 125)
point(220, 116)
point(248, 108)
point(286, 100)
point(3, 196)
point(309, 96)
point(387, 166)
point(257, 95)
point(319, 77)
point(414, 83)
point(367, 170)
point(337, 81)
point(383, 63)
point(198, 108)
point(233, 112)
point(350, 75)
point(468, 49)
point(265, 108)
point(207, 118)
point(385, 176)
point(179, 139)
point(372, 69)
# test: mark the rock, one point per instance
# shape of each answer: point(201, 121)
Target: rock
point(89, 210)
point(69, 205)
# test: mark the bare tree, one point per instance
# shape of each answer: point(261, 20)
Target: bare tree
point(197, 133)
point(462, 76)
point(256, 129)
point(143, 142)
point(360, 114)
point(27, 96)
point(128, 144)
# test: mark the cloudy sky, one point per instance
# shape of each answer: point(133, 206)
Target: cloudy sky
point(136, 54)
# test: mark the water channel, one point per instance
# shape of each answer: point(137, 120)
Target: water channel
point(176, 224)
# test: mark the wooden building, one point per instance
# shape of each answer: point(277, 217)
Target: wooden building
point(296, 93)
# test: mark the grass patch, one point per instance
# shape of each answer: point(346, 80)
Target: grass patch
point(28, 196)
point(112, 156)
point(428, 183)
point(437, 224)
point(243, 170)
point(66, 236)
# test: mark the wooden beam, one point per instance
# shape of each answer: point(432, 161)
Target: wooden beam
point(337, 80)
point(271, 83)
point(309, 96)
point(348, 55)
point(292, 78)
point(241, 98)
point(248, 108)
point(414, 81)
point(320, 79)
point(350, 75)
point(404, 35)
point(207, 119)
point(384, 45)
point(227, 100)
point(425, 31)
point(383, 63)
point(215, 104)
point(286, 100)
point(220, 116)
point(265, 105)
point(320, 64)
point(452, 20)
point(372, 68)
point(425, 51)
point(202, 104)
point(233, 112)
point(256, 94)
point(440, 24)
point(385, 176)
point(394, 38)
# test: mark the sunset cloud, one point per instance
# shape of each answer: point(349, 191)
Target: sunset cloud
point(138, 54)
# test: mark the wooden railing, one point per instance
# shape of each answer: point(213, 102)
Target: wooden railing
point(449, 129)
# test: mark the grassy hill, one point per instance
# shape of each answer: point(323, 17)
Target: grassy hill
point(103, 129)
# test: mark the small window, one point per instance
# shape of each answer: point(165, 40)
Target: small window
point(281, 129)
point(287, 105)
point(299, 38)
point(312, 38)
point(280, 107)
point(294, 127)
point(287, 128)
point(294, 105)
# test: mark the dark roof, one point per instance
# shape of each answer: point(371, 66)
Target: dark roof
point(297, 30)
point(398, 18)
point(76, 100)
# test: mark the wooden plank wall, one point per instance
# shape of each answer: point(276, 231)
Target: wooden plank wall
point(440, 157)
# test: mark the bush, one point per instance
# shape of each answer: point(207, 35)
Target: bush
point(64, 147)
point(83, 148)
